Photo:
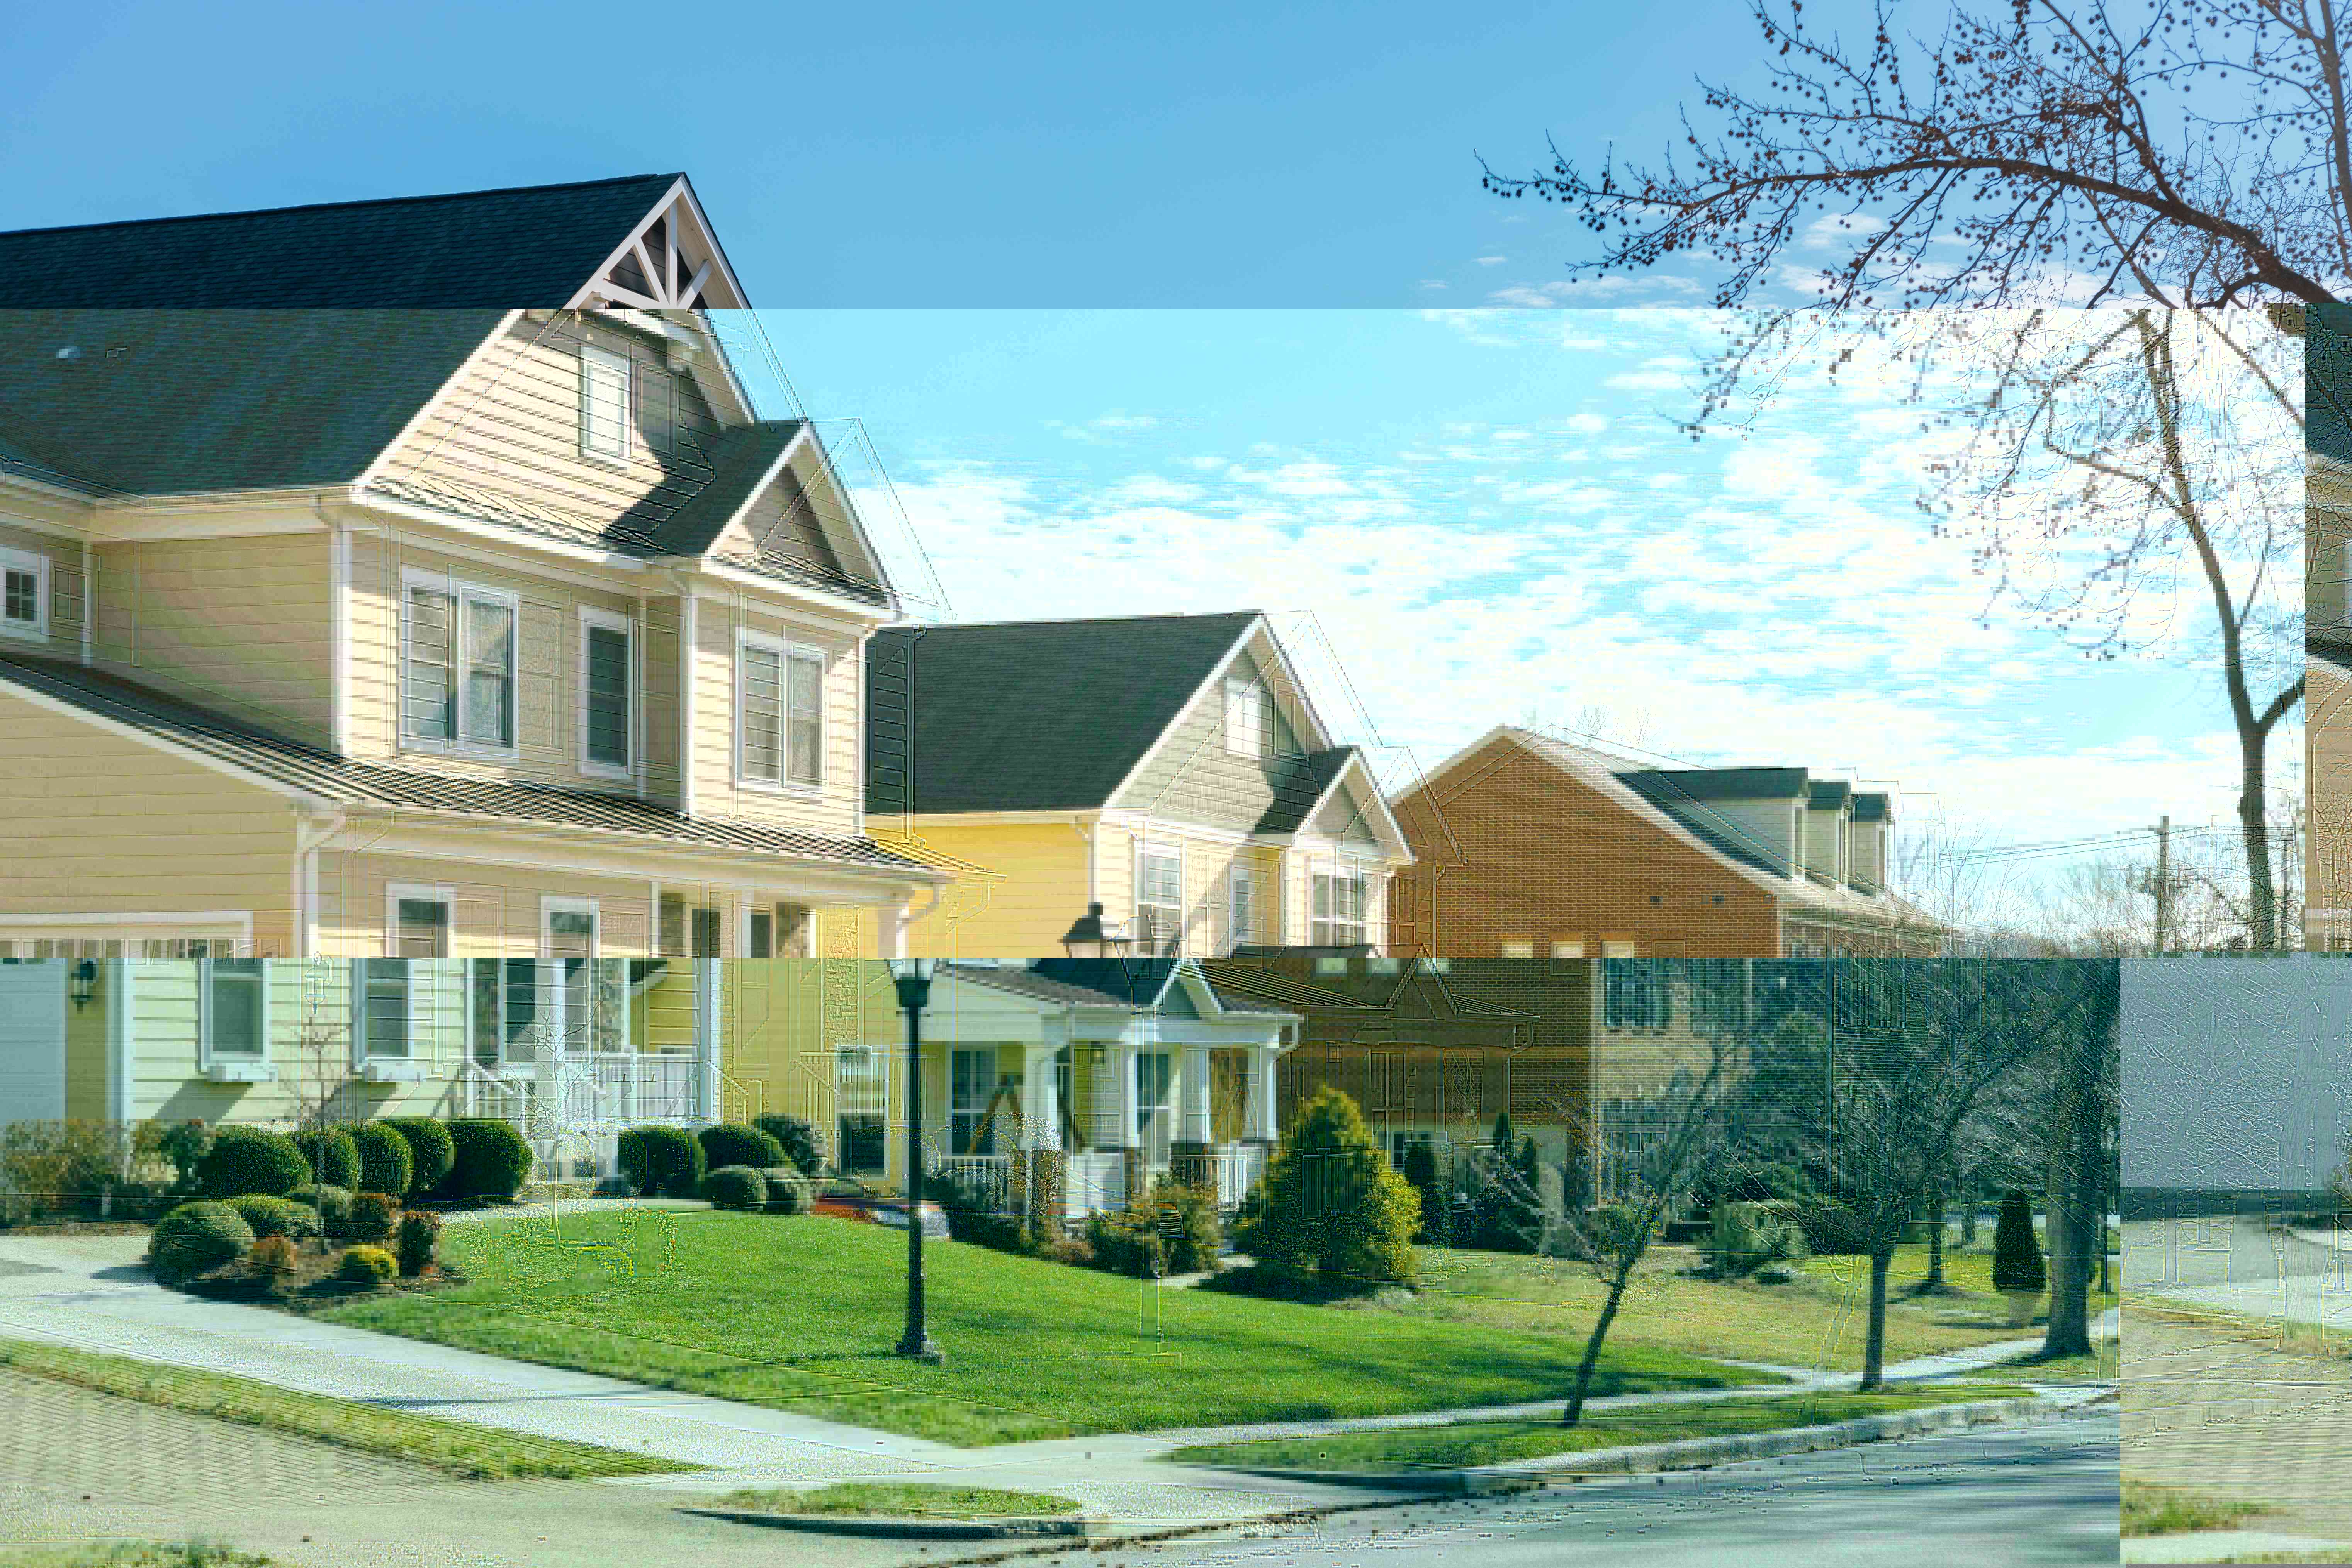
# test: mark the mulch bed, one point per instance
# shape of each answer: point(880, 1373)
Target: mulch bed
point(312, 1283)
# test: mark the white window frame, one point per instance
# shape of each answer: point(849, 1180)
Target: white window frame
point(209, 1055)
point(1241, 904)
point(1250, 707)
point(550, 983)
point(1343, 870)
point(1568, 949)
point(1159, 849)
point(364, 1049)
point(593, 619)
point(593, 359)
point(1518, 947)
point(13, 559)
point(786, 651)
point(460, 590)
point(397, 893)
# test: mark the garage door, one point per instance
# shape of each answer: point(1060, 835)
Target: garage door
point(32, 1041)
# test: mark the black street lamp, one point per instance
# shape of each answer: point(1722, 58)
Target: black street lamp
point(1089, 938)
point(913, 978)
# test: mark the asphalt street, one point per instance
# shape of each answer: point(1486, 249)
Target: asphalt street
point(2040, 1492)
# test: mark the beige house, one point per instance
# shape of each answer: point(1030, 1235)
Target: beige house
point(431, 634)
point(2327, 711)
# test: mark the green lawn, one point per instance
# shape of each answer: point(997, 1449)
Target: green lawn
point(802, 1313)
point(1463, 1444)
point(453, 1447)
point(902, 1500)
point(1818, 1319)
point(2152, 1510)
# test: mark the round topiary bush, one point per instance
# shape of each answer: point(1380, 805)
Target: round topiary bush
point(195, 1238)
point(492, 1160)
point(276, 1217)
point(385, 1163)
point(662, 1161)
point(333, 1203)
point(367, 1266)
point(733, 1143)
point(250, 1160)
point(736, 1187)
point(789, 1192)
point(803, 1143)
point(430, 1151)
point(373, 1216)
point(418, 1241)
point(2016, 1252)
point(328, 1155)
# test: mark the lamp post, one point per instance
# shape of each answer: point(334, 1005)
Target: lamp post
point(913, 979)
point(1089, 938)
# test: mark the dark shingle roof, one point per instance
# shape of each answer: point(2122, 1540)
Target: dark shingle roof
point(2327, 380)
point(1873, 808)
point(1662, 787)
point(1296, 795)
point(1030, 715)
point(527, 247)
point(1827, 794)
point(2328, 650)
point(739, 459)
point(181, 402)
point(321, 773)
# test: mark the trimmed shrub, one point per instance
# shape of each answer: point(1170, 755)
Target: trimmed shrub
point(272, 1254)
point(373, 1216)
point(664, 1162)
point(1831, 1229)
point(975, 1213)
point(184, 1143)
point(789, 1192)
point(267, 1216)
point(1331, 1205)
point(386, 1165)
point(250, 1160)
point(417, 1242)
point(2016, 1252)
point(77, 1165)
point(803, 1143)
point(1749, 1235)
point(492, 1160)
point(195, 1238)
point(733, 1143)
point(431, 1155)
point(333, 1203)
point(1420, 1173)
point(738, 1187)
point(367, 1266)
point(329, 1155)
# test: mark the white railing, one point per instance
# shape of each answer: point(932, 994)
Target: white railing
point(560, 1095)
point(489, 1092)
point(988, 1175)
point(1240, 1167)
point(1095, 1180)
point(633, 1087)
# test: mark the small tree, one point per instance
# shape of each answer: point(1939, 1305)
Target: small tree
point(1332, 1206)
point(1421, 1174)
point(2016, 1255)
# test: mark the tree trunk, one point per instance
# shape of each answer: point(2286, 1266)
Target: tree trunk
point(2253, 826)
point(1575, 1411)
point(1873, 1355)
point(1935, 1239)
point(1968, 1217)
point(2078, 1187)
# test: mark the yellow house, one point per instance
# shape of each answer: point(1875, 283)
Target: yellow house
point(1169, 768)
point(2327, 711)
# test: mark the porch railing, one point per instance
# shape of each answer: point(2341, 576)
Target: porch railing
point(1095, 1180)
point(989, 1176)
point(1240, 1167)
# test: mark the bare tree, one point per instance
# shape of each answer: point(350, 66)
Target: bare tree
point(2188, 162)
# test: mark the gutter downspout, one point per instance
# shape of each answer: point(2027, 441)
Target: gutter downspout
point(88, 598)
point(306, 878)
point(338, 622)
point(689, 652)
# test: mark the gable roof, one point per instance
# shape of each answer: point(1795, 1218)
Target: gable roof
point(523, 246)
point(1029, 715)
point(1663, 784)
point(1134, 984)
point(161, 403)
point(300, 770)
point(1872, 807)
point(1298, 797)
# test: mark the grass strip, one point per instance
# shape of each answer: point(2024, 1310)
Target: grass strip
point(137, 1554)
point(1462, 1445)
point(2153, 1510)
point(902, 1500)
point(453, 1447)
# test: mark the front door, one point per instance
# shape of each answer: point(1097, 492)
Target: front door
point(32, 1040)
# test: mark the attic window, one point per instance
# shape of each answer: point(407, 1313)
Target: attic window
point(604, 404)
point(1244, 718)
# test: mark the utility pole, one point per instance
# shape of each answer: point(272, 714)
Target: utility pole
point(2163, 831)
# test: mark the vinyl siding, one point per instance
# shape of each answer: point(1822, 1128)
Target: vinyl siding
point(242, 625)
point(2328, 741)
point(832, 807)
point(67, 594)
point(87, 1068)
point(1193, 779)
point(498, 907)
point(100, 824)
point(1017, 888)
point(798, 521)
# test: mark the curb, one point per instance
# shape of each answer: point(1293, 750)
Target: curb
point(1687, 1454)
point(1081, 1527)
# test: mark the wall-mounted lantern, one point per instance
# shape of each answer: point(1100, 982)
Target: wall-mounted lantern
point(82, 984)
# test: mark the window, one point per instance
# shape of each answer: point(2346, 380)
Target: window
point(1155, 1076)
point(1616, 950)
point(457, 665)
point(503, 997)
point(416, 921)
point(1340, 897)
point(971, 1084)
point(1330, 964)
point(780, 714)
point(384, 1008)
point(24, 594)
point(234, 999)
point(1635, 995)
point(605, 684)
point(1160, 899)
point(779, 931)
point(604, 404)
point(1244, 718)
point(860, 1081)
point(1242, 910)
point(1516, 948)
point(1568, 949)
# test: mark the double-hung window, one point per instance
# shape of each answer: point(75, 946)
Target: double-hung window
point(1160, 899)
point(779, 713)
point(1340, 897)
point(1242, 910)
point(24, 594)
point(1244, 718)
point(605, 399)
point(233, 1003)
point(779, 931)
point(971, 1085)
point(1633, 994)
point(607, 684)
point(458, 657)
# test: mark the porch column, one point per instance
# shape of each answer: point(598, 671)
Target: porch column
point(1124, 1101)
point(1261, 1095)
point(1192, 1153)
point(709, 1026)
point(1041, 1106)
point(1040, 1168)
point(890, 921)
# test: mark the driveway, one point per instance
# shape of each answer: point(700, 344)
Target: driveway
point(2242, 1264)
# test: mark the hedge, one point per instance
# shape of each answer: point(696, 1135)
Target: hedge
point(492, 1160)
point(661, 1161)
point(333, 1203)
point(386, 1165)
point(250, 1160)
point(418, 1241)
point(373, 1216)
point(328, 1155)
point(736, 1187)
point(789, 1192)
point(803, 1143)
point(195, 1238)
point(276, 1217)
point(430, 1152)
point(733, 1143)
